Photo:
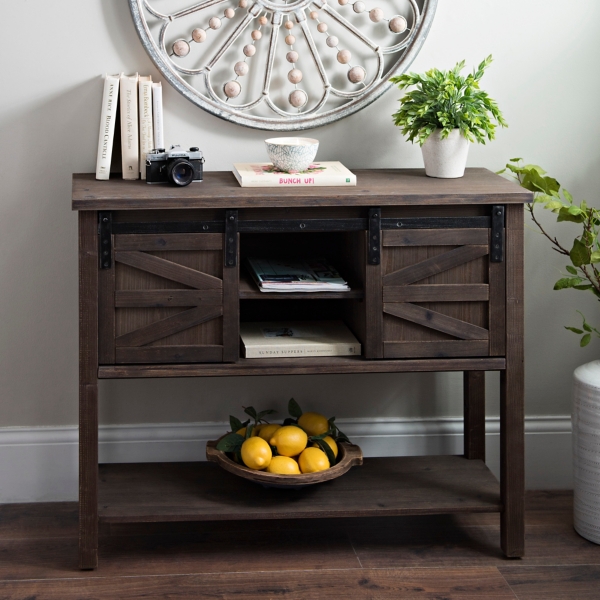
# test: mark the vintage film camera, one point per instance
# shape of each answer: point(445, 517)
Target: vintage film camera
point(176, 166)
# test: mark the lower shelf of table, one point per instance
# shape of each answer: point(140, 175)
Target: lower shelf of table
point(303, 366)
point(155, 492)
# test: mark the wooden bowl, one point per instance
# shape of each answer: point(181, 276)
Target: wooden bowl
point(349, 456)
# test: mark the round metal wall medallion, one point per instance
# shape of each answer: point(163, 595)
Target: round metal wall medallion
point(282, 65)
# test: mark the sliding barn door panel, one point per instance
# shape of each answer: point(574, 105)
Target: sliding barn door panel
point(168, 299)
point(440, 294)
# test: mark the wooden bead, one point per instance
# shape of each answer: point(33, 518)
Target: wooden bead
point(298, 98)
point(292, 56)
point(344, 56)
point(322, 27)
point(288, 25)
point(249, 50)
point(398, 25)
point(181, 48)
point(356, 74)
point(314, 15)
point(295, 76)
point(290, 40)
point(256, 34)
point(198, 35)
point(376, 15)
point(232, 89)
point(229, 13)
point(214, 23)
point(342, 2)
point(332, 41)
point(359, 7)
point(263, 20)
point(243, 3)
point(241, 68)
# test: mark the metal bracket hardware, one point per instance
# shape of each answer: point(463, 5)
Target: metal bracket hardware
point(231, 236)
point(302, 225)
point(105, 239)
point(374, 240)
point(169, 227)
point(436, 223)
point(496, 237)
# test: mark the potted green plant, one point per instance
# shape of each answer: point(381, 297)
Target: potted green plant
point(444, 113)
point(581, 273)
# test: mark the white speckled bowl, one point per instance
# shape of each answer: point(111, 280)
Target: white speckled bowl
point(292, 154)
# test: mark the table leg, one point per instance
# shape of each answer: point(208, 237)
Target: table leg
point(512, 382)
point(474, 411)
point(88, 390)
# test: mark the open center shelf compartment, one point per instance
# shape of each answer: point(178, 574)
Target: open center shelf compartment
point(416, 485)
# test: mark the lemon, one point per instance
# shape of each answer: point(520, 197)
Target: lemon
point(331, 443)
point(255, 431)
point(313, 460)
point(256, 453)
point(267, 431)
point(313, 423)
point(289, 440)
point(283, 465)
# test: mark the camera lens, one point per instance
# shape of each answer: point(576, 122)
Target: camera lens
point(181, 172)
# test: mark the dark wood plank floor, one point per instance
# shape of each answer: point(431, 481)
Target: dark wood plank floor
point(443, 557)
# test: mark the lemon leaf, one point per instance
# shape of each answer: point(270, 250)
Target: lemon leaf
point(294, 409)
point(263, 413)
point(232, 442)
point(341, 437)
point(249, 431)
point(323, 445)
point(235, 423)
point(250, 411)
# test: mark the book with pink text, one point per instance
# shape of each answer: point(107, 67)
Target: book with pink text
point(318, 174)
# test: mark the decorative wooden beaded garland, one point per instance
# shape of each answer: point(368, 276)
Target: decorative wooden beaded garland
point(282, 65)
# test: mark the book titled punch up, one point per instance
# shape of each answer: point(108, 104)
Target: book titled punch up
point(324, 174)
point(277, 339)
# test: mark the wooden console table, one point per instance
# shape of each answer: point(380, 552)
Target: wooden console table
point(436, 270)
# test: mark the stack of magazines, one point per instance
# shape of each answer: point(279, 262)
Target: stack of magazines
point(313, 275)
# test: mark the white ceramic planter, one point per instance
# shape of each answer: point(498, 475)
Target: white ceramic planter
point(586, 450)
point(445, 158)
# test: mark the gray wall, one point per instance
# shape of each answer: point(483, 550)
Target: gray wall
point(544, 78)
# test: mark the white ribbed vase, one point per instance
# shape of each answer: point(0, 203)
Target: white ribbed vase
point(586, 450)
point(445, 158)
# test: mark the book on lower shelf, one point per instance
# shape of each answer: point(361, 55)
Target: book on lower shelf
point(281, 339)
point(324, 174)
point(310, 275)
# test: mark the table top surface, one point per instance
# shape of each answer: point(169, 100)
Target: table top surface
point(375, 187)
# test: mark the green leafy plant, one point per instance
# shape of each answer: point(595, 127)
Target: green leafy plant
point(584, 254)
point(447, 100)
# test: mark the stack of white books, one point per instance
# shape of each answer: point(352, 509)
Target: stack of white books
point(298, 339)
point(139, 102)
point(311, 275)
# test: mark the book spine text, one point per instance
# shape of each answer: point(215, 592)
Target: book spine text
point(108, 117)
point(267, 351)
point(157, 115)
point(129, 127)
point(146, 128)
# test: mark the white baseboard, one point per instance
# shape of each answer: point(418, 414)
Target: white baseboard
point(40, 463)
